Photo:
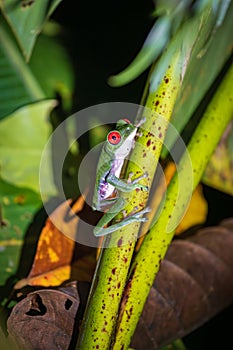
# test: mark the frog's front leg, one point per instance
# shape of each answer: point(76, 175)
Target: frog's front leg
point(100, 230)
point(126, 186)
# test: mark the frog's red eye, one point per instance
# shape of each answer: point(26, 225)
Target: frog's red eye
point(114, 137)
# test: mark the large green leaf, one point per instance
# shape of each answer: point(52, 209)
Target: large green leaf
point(23, 136)
point(18, 86)
point(22, 83)
point(172, 14)
point(53, 78)
point(150, 51)
point(206, 41)
point(205, 52)
point(18, 206)
point(202, 70)
point(26, 19)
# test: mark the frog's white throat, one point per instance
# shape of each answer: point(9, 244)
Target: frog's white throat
point(124, 149)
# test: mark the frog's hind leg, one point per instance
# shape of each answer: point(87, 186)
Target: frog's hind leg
point(100, 230)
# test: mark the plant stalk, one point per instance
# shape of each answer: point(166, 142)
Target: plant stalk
point(147, 261)
point(98, 326)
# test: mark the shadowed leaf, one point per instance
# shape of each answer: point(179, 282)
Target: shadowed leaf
point(17, 207)
point(18, 85)
point(194, 283)
point(23, 136)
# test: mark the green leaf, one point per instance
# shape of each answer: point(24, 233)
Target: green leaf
point(154, 44)
point(219, 171)
point(26, 19)
point(23, 136)
point(18, 206)
point(18, 86)
point(53, 78)
point(202, 70)
point(172, 15)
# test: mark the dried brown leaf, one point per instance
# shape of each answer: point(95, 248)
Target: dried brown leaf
point(194, 283)
point(52, 262)
point(44, 319)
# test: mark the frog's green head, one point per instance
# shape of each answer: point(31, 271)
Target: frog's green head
point(121, 141)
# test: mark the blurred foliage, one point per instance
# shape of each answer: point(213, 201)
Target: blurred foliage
point(17, 205)
point(38, 72)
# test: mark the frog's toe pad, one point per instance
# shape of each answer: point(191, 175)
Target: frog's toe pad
point(142, 212)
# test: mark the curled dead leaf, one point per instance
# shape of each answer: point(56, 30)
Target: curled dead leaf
point(44, 319)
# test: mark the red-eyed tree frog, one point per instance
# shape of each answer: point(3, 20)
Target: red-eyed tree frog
point(117, 147)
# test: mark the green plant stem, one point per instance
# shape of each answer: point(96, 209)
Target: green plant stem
point(98, 326)
point(147, 262)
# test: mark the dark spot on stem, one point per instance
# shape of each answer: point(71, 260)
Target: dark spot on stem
point(119, 243)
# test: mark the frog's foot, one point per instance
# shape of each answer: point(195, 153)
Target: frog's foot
point(136, 215)
point(133, 217)
point(135, 181)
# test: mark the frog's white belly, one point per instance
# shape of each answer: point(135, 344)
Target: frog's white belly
point(106, 189)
